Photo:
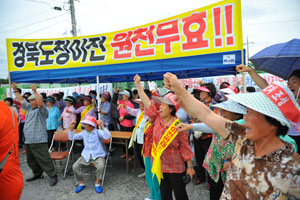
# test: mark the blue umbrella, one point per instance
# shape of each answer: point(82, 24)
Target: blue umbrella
point(279, 59)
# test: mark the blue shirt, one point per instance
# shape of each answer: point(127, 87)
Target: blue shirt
point(106, 118)
point(53, 116)
point(92, 145)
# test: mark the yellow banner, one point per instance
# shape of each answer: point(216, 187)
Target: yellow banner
point(212, 29)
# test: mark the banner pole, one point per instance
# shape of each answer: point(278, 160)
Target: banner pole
point(9, 82)
point(243, 74)
point(98, 97)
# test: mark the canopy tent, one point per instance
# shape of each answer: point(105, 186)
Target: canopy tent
point(184, 67)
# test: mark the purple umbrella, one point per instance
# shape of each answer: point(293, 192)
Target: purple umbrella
point(279, 59)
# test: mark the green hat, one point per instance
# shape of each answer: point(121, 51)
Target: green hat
point(69, 100)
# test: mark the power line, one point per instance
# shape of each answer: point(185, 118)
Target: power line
point(41, 29)
point(25, 26)
point(25, 19)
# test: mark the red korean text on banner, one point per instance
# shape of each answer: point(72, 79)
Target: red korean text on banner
point(283, 101)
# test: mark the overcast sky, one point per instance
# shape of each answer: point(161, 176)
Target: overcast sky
point(265, 22)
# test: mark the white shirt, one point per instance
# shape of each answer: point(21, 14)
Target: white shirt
point(139, 131)
point(92, 145)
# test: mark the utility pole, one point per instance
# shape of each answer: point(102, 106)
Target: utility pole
point(72, 9)
point(248, 49)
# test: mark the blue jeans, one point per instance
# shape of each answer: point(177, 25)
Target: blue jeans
point(151, 180)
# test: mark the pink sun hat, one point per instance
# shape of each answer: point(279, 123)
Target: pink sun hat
point(168, 99)
point(202, 88)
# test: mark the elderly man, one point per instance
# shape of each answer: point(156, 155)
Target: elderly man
point(35, 132)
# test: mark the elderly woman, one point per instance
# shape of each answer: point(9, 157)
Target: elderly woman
point(105, 109)
point(10, 102)
point(88, 108)
point(202, 142)
point(263, 166)
point(53, 118)
point(66, 116)
point(219, 151)
point(294, 86)
point(170, 149)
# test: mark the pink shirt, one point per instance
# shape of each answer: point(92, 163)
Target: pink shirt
point(67, 117)
point(123, 112)
point(22, 117)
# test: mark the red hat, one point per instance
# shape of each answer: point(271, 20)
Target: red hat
point(90, 120)
point(168, 99)
point(230, 90)
point(106, 95)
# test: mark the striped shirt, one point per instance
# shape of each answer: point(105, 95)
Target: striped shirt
point(35, 127)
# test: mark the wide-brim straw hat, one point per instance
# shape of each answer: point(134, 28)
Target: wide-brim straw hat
point(275, 101)
point(232, 106)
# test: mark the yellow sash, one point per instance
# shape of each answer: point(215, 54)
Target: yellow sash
point(138, 121)
point(147, 125)
point(157, 151)
point(83, 114)
point(23, 111)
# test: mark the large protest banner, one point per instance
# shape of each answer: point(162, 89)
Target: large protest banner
point(212, 29)
point(83, 89)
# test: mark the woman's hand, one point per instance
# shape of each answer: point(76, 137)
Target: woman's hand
point(137, 79)
point(181, 127)
point(226, 166)
point(243, 68)
point(122, 106)
point(121, 119)
point(190, 171)
point(100, 123)
point(72, 125)
point(70, 112)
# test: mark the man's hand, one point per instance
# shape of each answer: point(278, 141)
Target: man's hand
point(14, 86)
point(72, 125)
point(33, 87)
point(171, 82)
point(243, 68)
point(184, 127)
point(137, 79)
point(100, 123)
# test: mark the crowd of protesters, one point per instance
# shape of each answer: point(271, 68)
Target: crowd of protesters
point(244, 145)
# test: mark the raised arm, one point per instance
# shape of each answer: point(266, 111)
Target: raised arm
point(17, 93)
point(144, 98)
point(258, 80)
point(38, 98)
point(194, 107)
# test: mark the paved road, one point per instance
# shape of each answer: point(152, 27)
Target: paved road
point(118, 184)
